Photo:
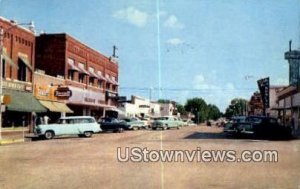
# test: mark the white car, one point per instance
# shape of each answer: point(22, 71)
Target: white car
point(74, 125)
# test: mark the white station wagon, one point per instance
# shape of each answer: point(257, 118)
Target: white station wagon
point(83, 126)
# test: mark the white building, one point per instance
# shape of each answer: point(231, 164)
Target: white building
point(142, 107)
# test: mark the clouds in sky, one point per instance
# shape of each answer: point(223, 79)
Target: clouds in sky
point(173, 22)
point(133, 16)
point(175, 41)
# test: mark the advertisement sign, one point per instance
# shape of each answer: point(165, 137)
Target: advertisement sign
point(264, 88)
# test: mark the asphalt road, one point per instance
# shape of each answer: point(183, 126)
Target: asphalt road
point(72, 162)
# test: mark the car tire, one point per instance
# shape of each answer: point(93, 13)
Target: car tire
point(164, 128)
point(178, 127)
point(120, 130)
point(135, 128)
point(49, 135)
point(153, 128)
point(88, 134)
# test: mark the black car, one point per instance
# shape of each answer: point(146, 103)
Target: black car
point(262, 126)
point(113, 124)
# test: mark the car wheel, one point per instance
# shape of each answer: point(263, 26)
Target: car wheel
point(153, 128)
point(178, 127)
point(164, 128)
point(49, 135)
point(88, 134)
point(135, 128)
point(120, 130)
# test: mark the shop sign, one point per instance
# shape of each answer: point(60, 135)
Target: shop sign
point(63, 93)
point(14, 85)
point(86, 97)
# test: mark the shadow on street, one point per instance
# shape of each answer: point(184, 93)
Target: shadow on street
point(221, 135)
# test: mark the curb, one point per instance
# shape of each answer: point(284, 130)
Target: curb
point(11, 141)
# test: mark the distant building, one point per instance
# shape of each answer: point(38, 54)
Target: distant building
point(143, 107)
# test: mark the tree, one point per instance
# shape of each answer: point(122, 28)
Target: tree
point(180, 109)
point(237, 107)
point(164, 101)
point(213, 112)
point(198, 107)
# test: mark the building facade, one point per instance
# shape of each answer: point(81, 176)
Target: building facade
point(18, 61)
point(289, 97)
point(91, 77)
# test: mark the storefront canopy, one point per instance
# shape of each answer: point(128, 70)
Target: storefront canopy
point(56, 106)
point(23, 102)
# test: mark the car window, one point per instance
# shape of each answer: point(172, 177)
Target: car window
point(255, 120)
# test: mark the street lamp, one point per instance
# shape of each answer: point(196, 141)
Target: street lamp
point(31, 27)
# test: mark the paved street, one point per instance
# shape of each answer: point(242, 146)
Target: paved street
point(92, 162)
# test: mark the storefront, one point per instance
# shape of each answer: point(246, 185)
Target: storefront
point(53, 99)
point(18, 112)
point(87, 102)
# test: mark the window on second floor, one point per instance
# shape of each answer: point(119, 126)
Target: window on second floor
point(91, 81)
point(71, 74)
point(3, 68)
point(81, 78)
point(21, 71)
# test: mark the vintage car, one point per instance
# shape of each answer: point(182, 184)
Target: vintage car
point(166, 122)
point(135, 123)
point(231, 126)
point(74, 125)
point(113, 124)
point(262, 126)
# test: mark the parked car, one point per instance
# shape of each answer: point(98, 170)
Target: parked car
point(113, 124)
point(147, 122)
point(231, 126)
point(135, 123)
point(74, 125)
point(262, 126)
point(166, 122)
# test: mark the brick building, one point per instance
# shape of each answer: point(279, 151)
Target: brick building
point(18, 67)
point(91, 76)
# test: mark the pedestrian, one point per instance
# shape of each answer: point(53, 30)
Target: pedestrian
point(46, 119)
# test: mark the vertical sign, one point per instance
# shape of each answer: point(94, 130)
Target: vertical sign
point(264, 88)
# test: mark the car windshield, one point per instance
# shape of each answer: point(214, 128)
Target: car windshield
point(255, 120)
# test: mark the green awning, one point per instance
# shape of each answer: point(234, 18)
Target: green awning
point(23, 102)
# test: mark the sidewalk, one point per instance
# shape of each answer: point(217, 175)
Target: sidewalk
point(13, 135)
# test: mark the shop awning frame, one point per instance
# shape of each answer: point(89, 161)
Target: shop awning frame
point(25, 61)
point(56, 106)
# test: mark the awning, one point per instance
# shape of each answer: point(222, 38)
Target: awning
point(56, 106)
point(23, 102)
point(73, 67)
point(101, 77)
point(112, 81)
point(92, 74)
point(26, 62)
point(9, 60)
point(83, 71)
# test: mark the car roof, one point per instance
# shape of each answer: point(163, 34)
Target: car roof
point(76, 117)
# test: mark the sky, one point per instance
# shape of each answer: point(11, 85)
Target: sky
point(178, 49)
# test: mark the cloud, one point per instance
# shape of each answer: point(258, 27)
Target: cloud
point(172, 22)
point(133, 16)
point(175, 41)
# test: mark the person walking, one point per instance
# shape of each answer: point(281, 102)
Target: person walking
point(46, 119)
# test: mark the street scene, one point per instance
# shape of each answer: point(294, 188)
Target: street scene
point(149, 94)
point(71, 162)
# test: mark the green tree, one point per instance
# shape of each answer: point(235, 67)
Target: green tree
point(198, 107)
point(237, 107)
point(164, 101)
point(180, 109)
point(213, 112)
